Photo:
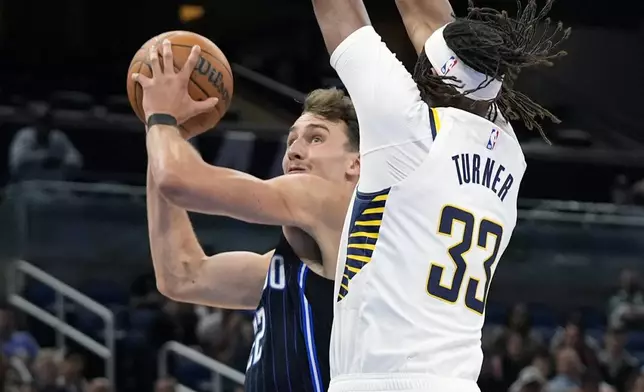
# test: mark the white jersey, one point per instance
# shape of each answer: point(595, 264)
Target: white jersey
point(433, 212)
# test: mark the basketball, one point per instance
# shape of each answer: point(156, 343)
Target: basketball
point(212, 77)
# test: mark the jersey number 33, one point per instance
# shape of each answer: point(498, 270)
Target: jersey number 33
point(484, 229)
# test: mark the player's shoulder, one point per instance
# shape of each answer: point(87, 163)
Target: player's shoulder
point(461, 123)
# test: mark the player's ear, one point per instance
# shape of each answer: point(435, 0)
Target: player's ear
point(354, 166)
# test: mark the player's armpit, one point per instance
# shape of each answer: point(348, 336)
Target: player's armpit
point(386, 98)
point(338, 19)
point(231, 280)
point(423, 17)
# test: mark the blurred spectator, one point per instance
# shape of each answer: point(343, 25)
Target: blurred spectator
point(573, 336)
point(15, 342)
point(617, 365)
point(541, 365)
point(638, 383)
point(71, 373)
point(530, 380)
point(41, 152)
point(144, 293)
point(45, 369)
point(16, 376)
point(569, 370)
point(165, 385)
point(177, 321)
point(209, 324)
point(99, 385)
point(508, 364)
point(626, 307)
point(518, 321)
point(232, 344)
point(592, 382)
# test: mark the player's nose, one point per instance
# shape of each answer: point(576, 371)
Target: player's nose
point(296, 151)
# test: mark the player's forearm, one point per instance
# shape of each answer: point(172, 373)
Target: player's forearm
point(423, 17)
point(176, 253)
point(338, 19)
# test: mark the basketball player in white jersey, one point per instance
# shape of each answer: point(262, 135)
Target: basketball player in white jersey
point(436, 202)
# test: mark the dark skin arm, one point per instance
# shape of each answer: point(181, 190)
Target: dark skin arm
point(423, 17)
point(338, 19)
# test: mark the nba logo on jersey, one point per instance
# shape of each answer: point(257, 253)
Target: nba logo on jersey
point(491, 142)
point(449, 64)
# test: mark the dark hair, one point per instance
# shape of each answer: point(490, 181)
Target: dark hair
point(491, 42)
point(334, 105)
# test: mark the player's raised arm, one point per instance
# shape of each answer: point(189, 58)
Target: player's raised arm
point(386, 98)
point(184, 273)
point(338, 19)
point(423, 17)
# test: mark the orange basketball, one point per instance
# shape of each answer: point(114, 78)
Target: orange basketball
point(212, 77)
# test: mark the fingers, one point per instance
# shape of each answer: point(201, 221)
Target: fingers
point(205, 106)
point(143, 80)
point(154, 61)
point(168, 61)
point(191, 63)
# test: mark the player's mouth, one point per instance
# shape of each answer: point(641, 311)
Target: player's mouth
point(296, 169)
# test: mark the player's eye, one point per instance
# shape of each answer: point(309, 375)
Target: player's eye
point(317, 139)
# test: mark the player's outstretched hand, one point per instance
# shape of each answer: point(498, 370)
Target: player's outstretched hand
point(167, 91)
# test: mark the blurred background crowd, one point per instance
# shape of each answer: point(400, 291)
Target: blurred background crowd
point(566, 310)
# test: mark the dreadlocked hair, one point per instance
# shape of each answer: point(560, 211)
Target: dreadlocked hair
point(492, 43)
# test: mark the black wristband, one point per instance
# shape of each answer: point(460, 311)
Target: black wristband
point(161, 119)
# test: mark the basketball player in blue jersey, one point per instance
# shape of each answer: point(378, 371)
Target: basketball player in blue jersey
point(290, 287)
point(436, 203)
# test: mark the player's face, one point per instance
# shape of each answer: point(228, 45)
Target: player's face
point(320, 147)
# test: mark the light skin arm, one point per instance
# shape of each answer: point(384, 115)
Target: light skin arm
point(298, 200)
point(232, 280)
point(423, 17)
point(338, 19)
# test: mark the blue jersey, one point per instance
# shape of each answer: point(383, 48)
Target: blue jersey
point(292, 328)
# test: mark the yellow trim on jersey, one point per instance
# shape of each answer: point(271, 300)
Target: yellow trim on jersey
point(368, 223)
point(362, 246)
point(352, 269)
point(364, 234)
point(437, 120)
point(364, 259)
point(367, 215)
